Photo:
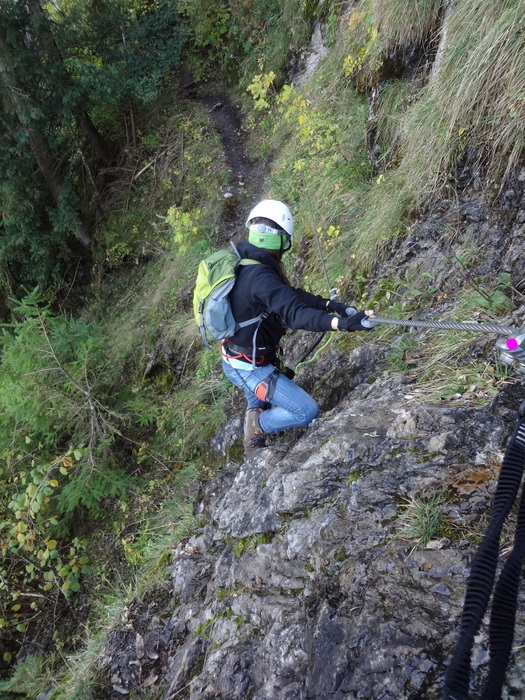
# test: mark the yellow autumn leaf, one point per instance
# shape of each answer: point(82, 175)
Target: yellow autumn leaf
point(356, 18)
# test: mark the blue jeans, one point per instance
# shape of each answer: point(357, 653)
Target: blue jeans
point(290, 407)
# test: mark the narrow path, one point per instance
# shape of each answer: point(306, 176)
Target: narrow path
point(246, 174)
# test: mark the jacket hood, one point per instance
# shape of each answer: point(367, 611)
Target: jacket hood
point(247, 250)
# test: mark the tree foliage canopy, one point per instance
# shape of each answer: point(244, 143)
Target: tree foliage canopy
point(69, 73)
point(79, 83)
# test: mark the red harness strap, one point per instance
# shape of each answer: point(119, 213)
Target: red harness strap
point(239, 356)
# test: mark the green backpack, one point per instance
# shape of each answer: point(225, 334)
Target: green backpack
point(211, 305)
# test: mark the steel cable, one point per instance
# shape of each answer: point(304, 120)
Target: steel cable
point(497, 328)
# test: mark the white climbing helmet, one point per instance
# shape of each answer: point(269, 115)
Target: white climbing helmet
point(275, 211)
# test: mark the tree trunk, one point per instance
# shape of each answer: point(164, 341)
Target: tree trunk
point(46, 46)
point(23, 107)
point(94, 138)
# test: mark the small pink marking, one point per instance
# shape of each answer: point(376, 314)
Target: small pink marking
point(512, 344)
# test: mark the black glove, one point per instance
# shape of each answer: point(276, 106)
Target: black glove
point(288, 372)
point(358, 322)
point(336, 307)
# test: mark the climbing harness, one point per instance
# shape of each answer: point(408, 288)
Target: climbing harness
point(264, 391)
point(255, 355)
point(481, 581)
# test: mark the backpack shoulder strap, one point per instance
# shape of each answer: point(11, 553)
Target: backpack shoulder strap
point(255, 319)
point(243, 261)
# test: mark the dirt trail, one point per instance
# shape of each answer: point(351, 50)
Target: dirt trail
point(246, 175)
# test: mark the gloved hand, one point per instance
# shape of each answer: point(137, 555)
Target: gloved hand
point(360, 321)
point(336, 307)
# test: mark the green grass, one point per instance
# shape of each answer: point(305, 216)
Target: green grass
point(405, 22)
point(422, 519)
point(444, 364)
point(393, 99)
point(80, 678)
point(251, 542)
point(474, 100)
point(30, 676)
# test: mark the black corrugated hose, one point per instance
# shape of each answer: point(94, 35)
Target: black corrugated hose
point(481, 581)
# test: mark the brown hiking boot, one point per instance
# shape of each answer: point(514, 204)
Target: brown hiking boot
point(253, 434)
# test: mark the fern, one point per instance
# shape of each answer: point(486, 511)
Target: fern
point(46, 374)
point(91, 487)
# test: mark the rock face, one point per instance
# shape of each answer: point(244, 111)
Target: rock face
point(302, 586)
point(302, 583)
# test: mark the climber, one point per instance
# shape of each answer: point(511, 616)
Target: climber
point(274, 401)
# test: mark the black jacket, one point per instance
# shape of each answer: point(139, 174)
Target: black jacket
point(259, 288)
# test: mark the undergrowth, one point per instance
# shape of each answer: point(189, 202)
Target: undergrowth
point(475, 98)
point(97, 432)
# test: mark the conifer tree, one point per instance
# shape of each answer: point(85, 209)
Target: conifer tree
point(67, 80)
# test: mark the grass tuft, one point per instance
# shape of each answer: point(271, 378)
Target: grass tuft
point(422, 519)
point(476, 98)
point(405, 22)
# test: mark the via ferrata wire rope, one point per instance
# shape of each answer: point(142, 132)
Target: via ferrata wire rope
point(498, 329)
